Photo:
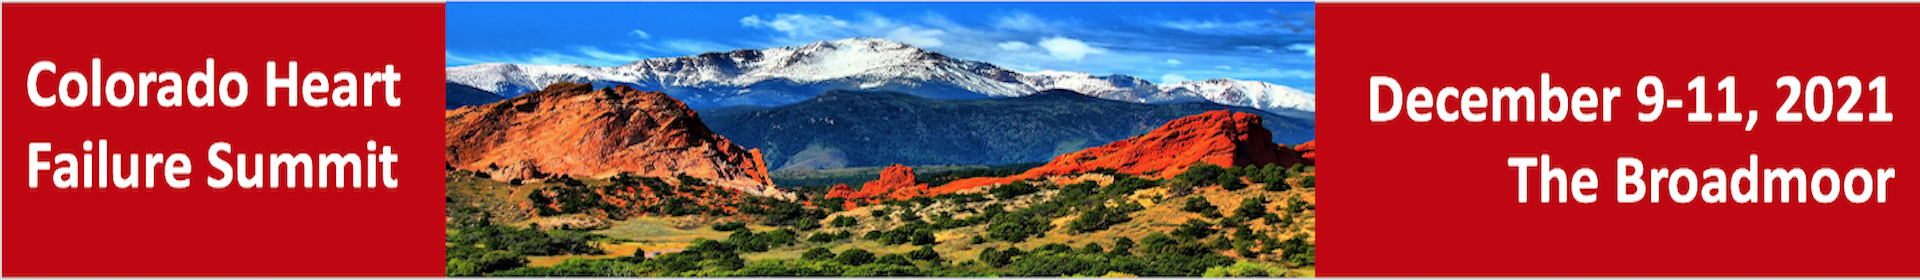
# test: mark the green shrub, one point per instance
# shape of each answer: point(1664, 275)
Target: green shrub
point(1194, 229)
point(1014, 189)
point(894, 259)
point(822, 237)
point(576, 267)
point(1122, 246)
point(791, 268)
point(996, 258)
point(462, 268)
point(854, 257)
point(1200, 205)
point(877, 269)
point(1202, 173)
point(1053, 248)
point(923, 237)
point(1298, 251)
point(1297, 205)
point(925, 253)
point(1229, 181)
point(1251, 208)
point(1096, 218)
point(1221, 243)
point(1092, 248)
point(1158, 243)
point(1016, 228)
point(1038, 264)
point(1246, 269)
point(844, 221)
point(528, 241)
point(818, 254)
point(729, 226)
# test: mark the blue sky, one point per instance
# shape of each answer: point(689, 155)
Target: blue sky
point(1162, 42)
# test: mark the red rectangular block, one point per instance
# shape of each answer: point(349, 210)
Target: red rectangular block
point(1438, 198)
point(199, 230)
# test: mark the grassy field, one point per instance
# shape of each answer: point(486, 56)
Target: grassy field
point(1161, 216)
point(676, 229)
point(1162, 213)
point(651, 234)
point(614, 250)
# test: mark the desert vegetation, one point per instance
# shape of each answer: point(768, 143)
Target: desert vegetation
point(1208, 221)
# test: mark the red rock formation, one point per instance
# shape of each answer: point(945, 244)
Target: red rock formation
point(970, 183)
point(895, 182)
point(840, 191)
point(1223, 138)
point(572, 129)
point(1306, 149)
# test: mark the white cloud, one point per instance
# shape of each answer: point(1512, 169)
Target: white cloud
point(1172, 78)
point(603, 57)
point(454, 59)
point(795, 25)
point(1023, 22)
point(1173, 62)
point(1255, 49)
point(589, 56)
point(642, 33)
point(1308, 48)
point(685, 47)
point(1218, 27)
point(1224, 67)
point(1064, 48)
point(924, 38)
point(929, 31)
point(1015, 46)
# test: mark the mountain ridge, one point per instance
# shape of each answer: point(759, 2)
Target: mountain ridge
point(459, 95)
point(786, 75)
point(840, 129)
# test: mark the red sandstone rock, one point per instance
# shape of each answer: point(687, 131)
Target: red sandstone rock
point(895, 182)
point(1306, 149)
point(840, 191)
point(572, 129)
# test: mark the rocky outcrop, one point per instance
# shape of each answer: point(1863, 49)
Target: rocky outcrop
point(895, 182)
point(840, 191)
point(1223, 138)
point(1306, 150)
point(573, 129)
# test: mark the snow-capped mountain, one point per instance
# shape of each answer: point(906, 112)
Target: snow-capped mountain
point(786, 75)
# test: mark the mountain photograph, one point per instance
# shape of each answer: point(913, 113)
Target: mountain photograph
point(880, 139)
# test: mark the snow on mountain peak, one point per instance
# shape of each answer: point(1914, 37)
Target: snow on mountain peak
point(784, 75)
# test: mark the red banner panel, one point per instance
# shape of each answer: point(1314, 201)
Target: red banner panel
point(1435, 185)
point(134, 120)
